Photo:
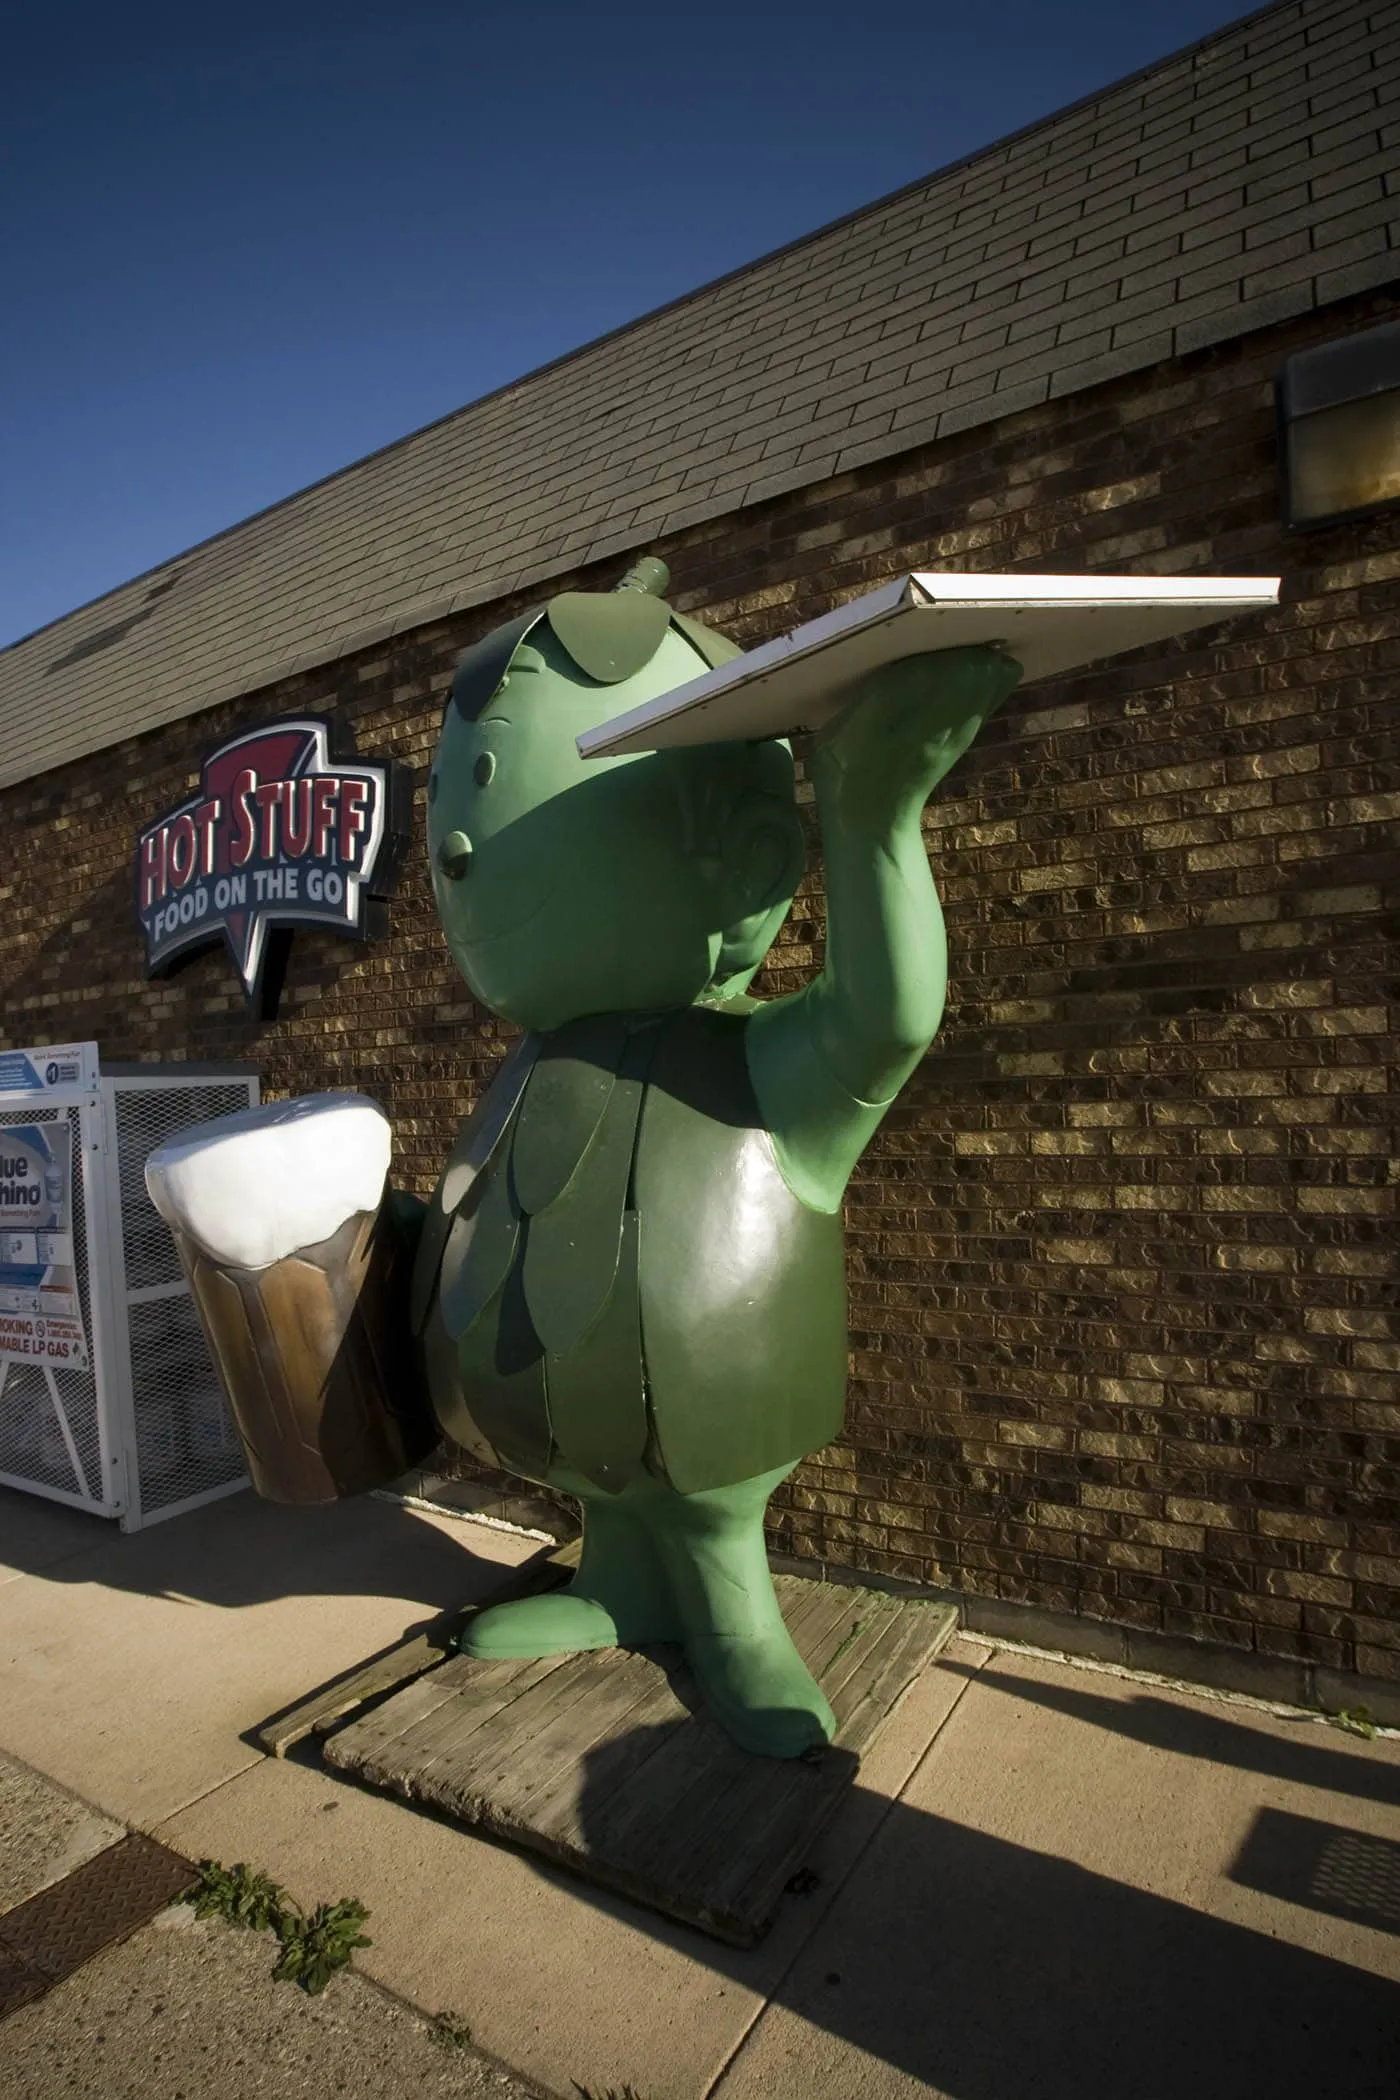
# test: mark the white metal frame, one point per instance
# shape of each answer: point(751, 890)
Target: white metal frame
point(123, 1295)
point(109, 1297)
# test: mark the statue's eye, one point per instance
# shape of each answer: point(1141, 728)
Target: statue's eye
point(484, 771)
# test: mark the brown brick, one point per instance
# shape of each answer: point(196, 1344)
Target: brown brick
point(1314, 1589)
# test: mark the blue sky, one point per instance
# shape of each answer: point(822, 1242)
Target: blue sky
point(243, 245)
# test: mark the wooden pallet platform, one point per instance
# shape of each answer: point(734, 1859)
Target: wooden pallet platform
point(407, 1659)
point(607, 1764)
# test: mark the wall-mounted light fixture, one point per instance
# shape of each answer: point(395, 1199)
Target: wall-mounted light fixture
point(1339, 427)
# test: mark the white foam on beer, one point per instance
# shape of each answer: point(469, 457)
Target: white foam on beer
point(252, 1188)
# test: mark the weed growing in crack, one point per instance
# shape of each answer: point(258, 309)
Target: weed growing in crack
point(449, 2032)
point(313, 1947)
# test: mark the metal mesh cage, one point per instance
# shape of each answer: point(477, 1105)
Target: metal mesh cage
point(186, 1444)
point(185, 1440)
point(148, 1116)
point(33, 1446)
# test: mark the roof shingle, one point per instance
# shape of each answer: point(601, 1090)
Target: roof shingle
point(1229, 187)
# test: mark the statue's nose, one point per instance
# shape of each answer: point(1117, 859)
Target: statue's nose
point(454, 855)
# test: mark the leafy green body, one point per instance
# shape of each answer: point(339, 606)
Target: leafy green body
point(634, 1155)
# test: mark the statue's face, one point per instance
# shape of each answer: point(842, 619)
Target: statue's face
point(602, 885)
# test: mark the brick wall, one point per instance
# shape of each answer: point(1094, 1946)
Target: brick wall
point(1122, 1287)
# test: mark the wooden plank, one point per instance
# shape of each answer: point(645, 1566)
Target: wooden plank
point(725, 1850)
point(644, 1704)
point(926, 1630)
point(614, 1686)
point(821, 1634)
point(561, 1812)
point(488, 1690)
point(735, 1793)
point(676, 1791)
point(390, 1722)
point(407, 1659)
point(768, 1813)
point(487, 1754)
point(751, 1882)
point(511, 1792)
point(799, 1798)
point(320, 1711)
point(846, 1679)
point(399, 1742)
point(599, 1763)
point(694, 1767)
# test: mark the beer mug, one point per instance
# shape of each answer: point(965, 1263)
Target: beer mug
point(300, 1279)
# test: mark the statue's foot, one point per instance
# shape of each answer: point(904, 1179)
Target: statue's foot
point(560, 1624)
point(618, 1599)
point(761, 1692)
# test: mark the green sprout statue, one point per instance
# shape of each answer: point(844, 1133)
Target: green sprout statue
point(630, 1282)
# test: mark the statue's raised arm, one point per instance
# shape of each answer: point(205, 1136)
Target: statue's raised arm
point(828, 1061)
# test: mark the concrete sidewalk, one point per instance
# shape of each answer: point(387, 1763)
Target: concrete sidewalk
point(188, 2007)
point(1049, 1880)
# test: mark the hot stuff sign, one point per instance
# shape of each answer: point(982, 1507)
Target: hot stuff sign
point(280, 834)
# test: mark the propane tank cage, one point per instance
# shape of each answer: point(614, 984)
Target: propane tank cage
point(109, 1400)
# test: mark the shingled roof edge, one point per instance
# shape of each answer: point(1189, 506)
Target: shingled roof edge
point(712, 284)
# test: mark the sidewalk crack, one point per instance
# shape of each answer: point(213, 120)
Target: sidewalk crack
point(838, 1888)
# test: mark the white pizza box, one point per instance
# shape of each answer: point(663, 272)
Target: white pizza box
point(1048, 623)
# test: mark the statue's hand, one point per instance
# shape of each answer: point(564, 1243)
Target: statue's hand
point(903, 728)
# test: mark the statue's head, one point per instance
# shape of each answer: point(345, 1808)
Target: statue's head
point(570, 886)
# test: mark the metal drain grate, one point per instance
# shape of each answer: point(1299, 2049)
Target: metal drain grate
point(101, 1902)
point(18, 1983)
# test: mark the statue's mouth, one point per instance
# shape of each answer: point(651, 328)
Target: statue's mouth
point(490, 937)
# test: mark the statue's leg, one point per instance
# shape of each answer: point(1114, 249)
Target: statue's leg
point(752, 1677)
point(619, 1597)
